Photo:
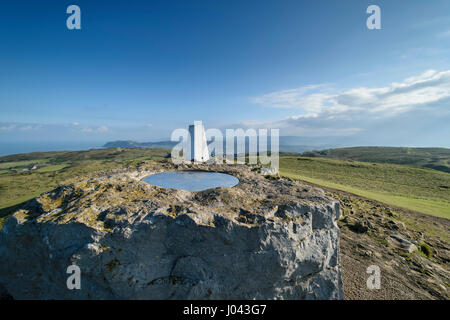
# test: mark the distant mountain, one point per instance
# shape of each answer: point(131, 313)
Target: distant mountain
point(287, 144)
point(133, 144)
point(432, 158)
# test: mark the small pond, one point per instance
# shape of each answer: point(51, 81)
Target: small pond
point(191, 180)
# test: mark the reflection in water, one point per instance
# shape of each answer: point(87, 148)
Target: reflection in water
point(191, 180)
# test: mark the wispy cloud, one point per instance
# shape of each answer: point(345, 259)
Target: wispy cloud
point(14, 126)
point(30, 127)
point(7, 127)
point(319, 107)
point(78, 127)
point(444, 34)
point(74, 127)
point(101, 129)
point(302, 97)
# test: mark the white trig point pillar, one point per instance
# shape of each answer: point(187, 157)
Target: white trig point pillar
point(198, 145)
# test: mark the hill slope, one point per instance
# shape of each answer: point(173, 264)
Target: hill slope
point(433, 158)
point(418, 189)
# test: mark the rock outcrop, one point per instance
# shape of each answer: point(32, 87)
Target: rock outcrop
point(262, 239)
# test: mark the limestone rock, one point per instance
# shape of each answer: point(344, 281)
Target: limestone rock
point(268, 171)
point(402, 243)
point(262, 239)
point(396, 225)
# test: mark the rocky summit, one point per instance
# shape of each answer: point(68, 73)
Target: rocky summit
point(265, 238)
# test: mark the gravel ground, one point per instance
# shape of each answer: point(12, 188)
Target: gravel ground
point(366, 229)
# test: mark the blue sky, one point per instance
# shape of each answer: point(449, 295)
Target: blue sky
point(139, 69)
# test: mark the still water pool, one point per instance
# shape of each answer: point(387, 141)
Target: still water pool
point(191, 180)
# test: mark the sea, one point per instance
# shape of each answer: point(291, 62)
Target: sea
point(8, 148)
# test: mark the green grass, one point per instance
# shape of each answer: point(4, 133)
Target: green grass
point(403, 186)
point(21, 164)
point(54, 167)
point(433, 158)
point(425, 250)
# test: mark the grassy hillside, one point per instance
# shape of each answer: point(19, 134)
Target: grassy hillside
point(18, 186)
point(418, 189)
point(433, 158)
